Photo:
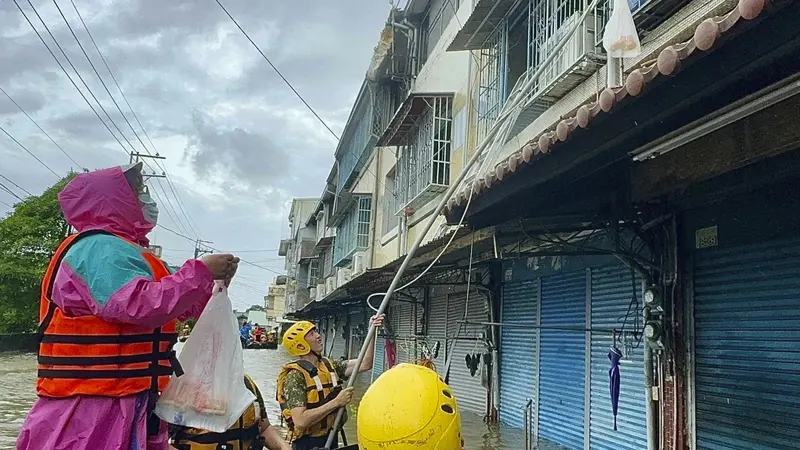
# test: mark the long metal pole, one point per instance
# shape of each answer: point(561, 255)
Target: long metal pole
point(513, 109)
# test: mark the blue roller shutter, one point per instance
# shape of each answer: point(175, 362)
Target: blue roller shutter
point(747, 346)
point(469, 392)
point(518, 349)
point(612, 294)
point(562, 367)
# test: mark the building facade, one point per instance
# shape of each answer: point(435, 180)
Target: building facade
point(631, 214)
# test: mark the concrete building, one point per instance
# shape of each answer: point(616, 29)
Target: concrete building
point(615, 203)
point(275, 300)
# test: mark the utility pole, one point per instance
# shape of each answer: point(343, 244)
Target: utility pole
point(201, 248)
point(136, 157)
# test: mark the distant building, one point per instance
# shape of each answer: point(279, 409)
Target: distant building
point(275, 300)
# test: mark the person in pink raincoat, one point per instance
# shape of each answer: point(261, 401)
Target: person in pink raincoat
point(107, 273)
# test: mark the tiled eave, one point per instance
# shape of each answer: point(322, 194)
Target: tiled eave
point(668, 63)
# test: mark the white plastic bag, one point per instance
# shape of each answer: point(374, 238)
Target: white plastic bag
point(620, 38)
point(211, 394)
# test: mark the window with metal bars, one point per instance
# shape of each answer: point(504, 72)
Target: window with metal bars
point(437, 17)
point(353, 232)
point(390, 204)
point(313, 272)
point(423, 166)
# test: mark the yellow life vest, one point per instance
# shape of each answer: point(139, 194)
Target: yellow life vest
point(322, 386)
point(243, 435)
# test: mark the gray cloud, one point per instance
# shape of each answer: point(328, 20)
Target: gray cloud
point(236, 165)
point(30, 101)
point(245, 154)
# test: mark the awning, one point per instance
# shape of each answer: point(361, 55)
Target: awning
point(480, 26)
point(707, 37)
point(405, 119)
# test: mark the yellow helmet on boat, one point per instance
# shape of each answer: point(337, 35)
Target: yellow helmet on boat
point(409, 407)
point(294, 340)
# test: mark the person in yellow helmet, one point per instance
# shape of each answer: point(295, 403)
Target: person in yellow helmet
point(310, 389)
point(251, 432)
point(409, 407)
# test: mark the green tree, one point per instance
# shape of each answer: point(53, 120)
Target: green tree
point(28, 237)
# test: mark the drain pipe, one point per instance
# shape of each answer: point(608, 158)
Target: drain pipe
point(495, 384)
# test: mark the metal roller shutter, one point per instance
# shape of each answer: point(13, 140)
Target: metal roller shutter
point(747, 346)
point(378, 362)
point(562, 369)
point(355, 341)
point(403, 316)
point(470, 394)
point(437, 327)
point(612, 294)
point(518, 349)
point(338, 340)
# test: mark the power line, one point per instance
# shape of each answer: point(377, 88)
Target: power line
point(216, 250)
point(12, 193)
point(189, 218)
point(113, 100)
point(40, 128)
point(17, 186)
point(68, 75)
point(278, 71)
point(28, 151)
point(4, 203)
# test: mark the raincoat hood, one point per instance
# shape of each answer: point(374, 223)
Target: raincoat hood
point(103, 200)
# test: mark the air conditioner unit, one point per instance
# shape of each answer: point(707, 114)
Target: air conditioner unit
point(312, 293)
point(343, 275)
point(359, 263)
point(321, 293)
point(330, 285)
point(581, 43)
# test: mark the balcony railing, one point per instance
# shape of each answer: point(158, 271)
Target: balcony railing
point(353, 232)
point(422, 130)
point(371, 115)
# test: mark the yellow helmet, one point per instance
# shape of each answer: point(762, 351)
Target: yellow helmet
point(409, 407)
point(294, 340)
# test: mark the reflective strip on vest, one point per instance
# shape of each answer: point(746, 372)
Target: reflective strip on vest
point(88, 356)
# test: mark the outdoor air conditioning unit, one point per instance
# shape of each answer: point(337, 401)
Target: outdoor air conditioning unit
point(312, 293)
point(359, 263)
point(581, 43)
point(330, 285)
point(321, 292)
point(343, 276)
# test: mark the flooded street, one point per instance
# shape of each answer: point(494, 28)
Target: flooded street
point(18, 378)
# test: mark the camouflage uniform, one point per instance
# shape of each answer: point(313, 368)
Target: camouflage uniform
point(294, 385)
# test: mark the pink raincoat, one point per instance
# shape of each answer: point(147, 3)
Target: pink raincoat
point(107, 277)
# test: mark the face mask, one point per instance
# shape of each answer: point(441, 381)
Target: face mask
point(149, 207)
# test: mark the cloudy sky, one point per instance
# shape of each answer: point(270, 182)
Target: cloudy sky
point(239, 144)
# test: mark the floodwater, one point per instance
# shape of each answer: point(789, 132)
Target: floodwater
point(18, 377)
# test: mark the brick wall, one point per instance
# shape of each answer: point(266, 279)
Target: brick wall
point(668, 409)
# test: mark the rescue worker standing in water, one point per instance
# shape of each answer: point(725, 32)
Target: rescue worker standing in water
point(310, 389)
point(251, 432)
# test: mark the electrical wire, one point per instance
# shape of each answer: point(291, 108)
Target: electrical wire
point(4, 203)
point(10, 192)
point(49, 49)
point(29, 152)
point(41, 129)
point(278, 71)
point(16, 185)
point(133, 113)
point(171, 209)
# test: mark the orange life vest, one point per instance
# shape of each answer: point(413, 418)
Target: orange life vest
point(88, 356)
